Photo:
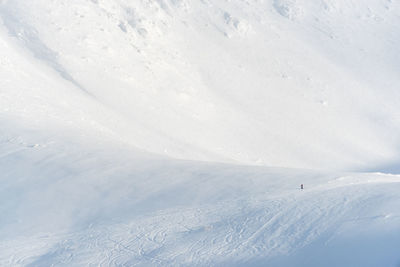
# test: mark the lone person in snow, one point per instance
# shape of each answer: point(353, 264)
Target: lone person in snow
point(301, 186)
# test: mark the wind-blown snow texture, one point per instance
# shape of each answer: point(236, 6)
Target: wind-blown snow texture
point(177, 132)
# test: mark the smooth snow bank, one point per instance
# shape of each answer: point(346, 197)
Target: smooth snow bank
point(280, 83)
point(70, 204)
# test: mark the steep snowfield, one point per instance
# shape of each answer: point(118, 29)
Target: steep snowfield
point(281, 83)
point(177, 132)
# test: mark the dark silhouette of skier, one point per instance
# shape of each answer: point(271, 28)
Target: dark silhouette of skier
point(301, 187)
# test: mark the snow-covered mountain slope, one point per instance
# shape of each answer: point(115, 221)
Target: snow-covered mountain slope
point(281, 83)
point(130, 132)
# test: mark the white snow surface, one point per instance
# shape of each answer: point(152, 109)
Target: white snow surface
point(178, 132)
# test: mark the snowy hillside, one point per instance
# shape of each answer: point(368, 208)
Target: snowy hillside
point(177, 132)
point(279, 83)
point(106, 207)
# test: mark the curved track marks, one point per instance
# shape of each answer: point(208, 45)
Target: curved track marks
point(237, 230)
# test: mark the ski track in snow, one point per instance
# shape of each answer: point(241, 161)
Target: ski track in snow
point(231, 232)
